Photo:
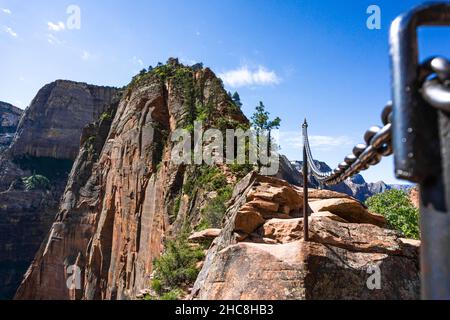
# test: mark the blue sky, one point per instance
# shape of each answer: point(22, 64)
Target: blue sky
point(301, 58)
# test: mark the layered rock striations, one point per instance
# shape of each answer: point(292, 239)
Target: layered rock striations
point(119, 205)
point(51, 126)
point(44, 147)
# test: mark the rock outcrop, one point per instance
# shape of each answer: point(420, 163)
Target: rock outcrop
point(9, 120)
point(289, 172)
point(266, 257)
point(51, 126)
point(414, 196)
point(119, 203)
point(46, 143)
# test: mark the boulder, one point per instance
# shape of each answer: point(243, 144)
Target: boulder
point(283, 230)
point(348, 209)
point(305, 271)
point(204, 235)
point(327, 214)
point(320, 194)
point(323, 229)
point(248, 220)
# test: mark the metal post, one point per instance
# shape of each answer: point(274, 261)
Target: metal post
point(420, 141)
point(305, 190)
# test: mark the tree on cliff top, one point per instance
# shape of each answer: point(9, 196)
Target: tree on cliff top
point(262, 124)
point(260, 119)
point(236, 99)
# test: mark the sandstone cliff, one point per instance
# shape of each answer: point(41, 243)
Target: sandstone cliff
point(9, 119)
point(124, 197)
point(51, 126)
point(46, 142)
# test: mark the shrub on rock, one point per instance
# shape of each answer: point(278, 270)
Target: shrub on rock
point(400, 213)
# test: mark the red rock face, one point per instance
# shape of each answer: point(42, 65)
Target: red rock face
point(115, 211)
point(414, 196)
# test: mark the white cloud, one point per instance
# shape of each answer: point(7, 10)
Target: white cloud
point(187, 61)
point(294, 139)
point(244, 76)
point(58, 26)
point(138, 62)
point(53, 40)
point(10, 31)
point(86, 55)
point(329, 141)
point(6, 11)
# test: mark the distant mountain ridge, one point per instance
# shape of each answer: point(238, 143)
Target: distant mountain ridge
point(355, 186)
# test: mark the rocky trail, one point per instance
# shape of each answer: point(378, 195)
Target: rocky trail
point(260, 254)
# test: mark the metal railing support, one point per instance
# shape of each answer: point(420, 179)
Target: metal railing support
point(421, 145)
point(305, 190)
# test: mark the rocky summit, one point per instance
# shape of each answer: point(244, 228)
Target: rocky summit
point(51, 126)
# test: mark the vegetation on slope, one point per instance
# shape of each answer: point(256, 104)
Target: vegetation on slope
point(36, 182)
point(176, 269)
point(400, 213)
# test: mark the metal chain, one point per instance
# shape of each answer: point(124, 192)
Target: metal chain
point(435, 90)
point(436, 87)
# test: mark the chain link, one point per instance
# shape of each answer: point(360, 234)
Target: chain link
point(435, 90)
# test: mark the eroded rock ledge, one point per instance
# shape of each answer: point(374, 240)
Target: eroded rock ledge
point(260, 254)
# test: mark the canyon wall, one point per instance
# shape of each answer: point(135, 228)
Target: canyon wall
point(51, 126)
point(45, 145)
